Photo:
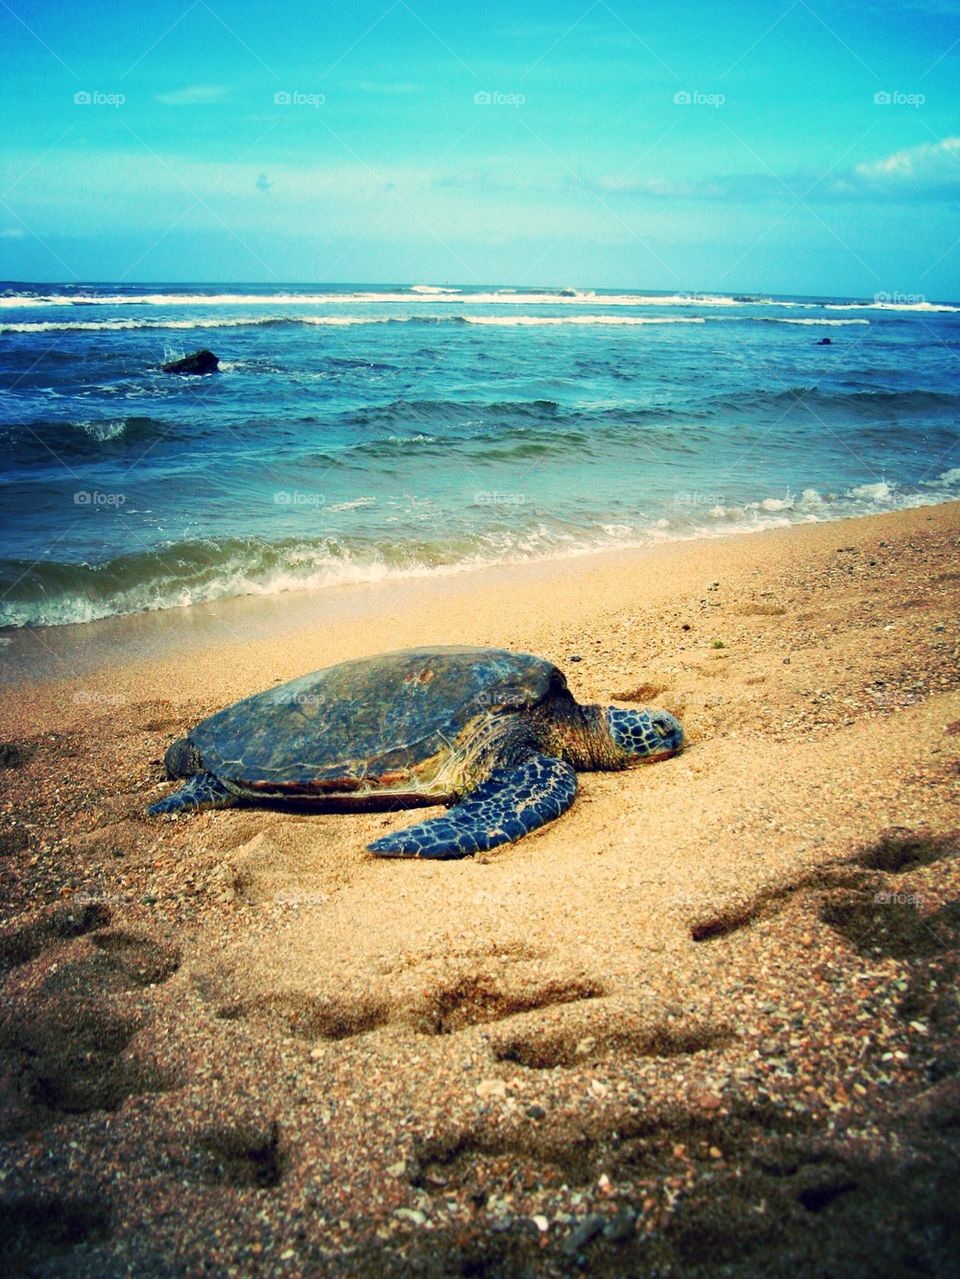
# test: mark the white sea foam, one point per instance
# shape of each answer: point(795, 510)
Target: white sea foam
point(857, 306)
point(533, 321)
point(314, 567)
point(900, 306)
point(774, 504)
point(879, 492)
point(946, 480)
point(115, 326)
point(339, 321)
point(442, 294)
point(103, 430)
point(419, 293)
point(356, 504)
point(890, 306)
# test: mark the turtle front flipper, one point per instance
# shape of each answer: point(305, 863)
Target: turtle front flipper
point(202, 791)
point(511, 802)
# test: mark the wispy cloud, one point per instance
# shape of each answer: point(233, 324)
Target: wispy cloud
point(192, 95)
point(928, 171)
point(497, 202)
point(930, 167)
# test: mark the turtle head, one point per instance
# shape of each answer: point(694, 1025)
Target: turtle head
point(644, 735)
point(182, 759)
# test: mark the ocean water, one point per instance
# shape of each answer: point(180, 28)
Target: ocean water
point(356, 433)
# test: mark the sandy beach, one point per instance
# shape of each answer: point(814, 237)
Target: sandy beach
point(705, 1024)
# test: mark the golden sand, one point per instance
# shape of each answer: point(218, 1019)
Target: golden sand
point(705, 1020)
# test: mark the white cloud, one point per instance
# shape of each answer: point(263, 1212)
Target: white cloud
point(931, 166)
point(12, 233)
point(928, 171)
point(192, 95)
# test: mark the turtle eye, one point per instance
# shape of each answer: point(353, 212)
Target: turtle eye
point(661, 730)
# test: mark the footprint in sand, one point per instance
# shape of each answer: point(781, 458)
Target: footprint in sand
point(477, 999)
point(470, 1000)
point(115, 962)
point(305, 1016)
point(16, 754)
point(244, 1156)
point(876, 923)
point(18, 945)
point(854, 895)
point(759, 609)
point(66, 1034)
point(539, 1047)
point(37, 1231)
point(625, 1147)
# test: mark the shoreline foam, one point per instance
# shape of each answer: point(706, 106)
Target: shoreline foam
point(241, 579)
point(96, 644)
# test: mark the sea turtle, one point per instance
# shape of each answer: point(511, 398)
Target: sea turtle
point(496, 734)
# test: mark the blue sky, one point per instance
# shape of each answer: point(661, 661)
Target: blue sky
point(791, 147)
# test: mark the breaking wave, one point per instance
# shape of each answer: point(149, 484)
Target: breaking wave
point(51, 593)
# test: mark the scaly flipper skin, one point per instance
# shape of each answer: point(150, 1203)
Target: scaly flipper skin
point(511, 802)
point(202, 791)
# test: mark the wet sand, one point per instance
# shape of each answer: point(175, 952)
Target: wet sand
point(705, 1024)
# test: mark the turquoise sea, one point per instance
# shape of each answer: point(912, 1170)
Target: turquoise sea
point(356, 432)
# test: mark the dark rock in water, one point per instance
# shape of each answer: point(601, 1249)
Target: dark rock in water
point(198, 362)
point(825, 342)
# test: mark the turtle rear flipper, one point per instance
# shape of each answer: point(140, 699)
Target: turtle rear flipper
point(511, 802)
point(202, 791)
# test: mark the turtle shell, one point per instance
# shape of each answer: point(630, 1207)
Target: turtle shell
point(396, 723)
